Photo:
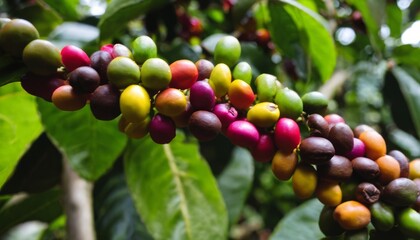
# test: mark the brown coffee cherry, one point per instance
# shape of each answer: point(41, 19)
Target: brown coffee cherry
point(367, 193)
point(365, 168)
point(318, 126)
point(204, 125)
point(341, 136)
point(401, 192)
point(105, 102)
point(403, 161)
point(84, 79)
point(316, 150)
point(66, 99)
point(339, 168)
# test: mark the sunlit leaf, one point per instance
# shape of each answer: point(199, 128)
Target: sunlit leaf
point(235, 182)
point(43, 207)
point(19, 127)
point(119, 12)
point(394, 18)
point(90, 145)
point(174, 190)
point(294, 26)
point(301, 223)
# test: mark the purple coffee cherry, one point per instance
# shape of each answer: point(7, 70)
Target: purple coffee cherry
point(162, 129)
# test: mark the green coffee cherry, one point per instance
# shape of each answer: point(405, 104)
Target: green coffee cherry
point(42, 57)
point(243, 71)
point(289, 102)
point(143, 48)
point(155, 74)
point(15, 35)
point(227, 51)
point(314, 102)
point(123, 71)
point(409, 222)
point(382, 216)
point(267, 86)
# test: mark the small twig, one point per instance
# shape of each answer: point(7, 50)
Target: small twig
point(77, 205)
point(334, 83)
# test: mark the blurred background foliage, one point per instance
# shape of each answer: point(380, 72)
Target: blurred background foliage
point(363, 54)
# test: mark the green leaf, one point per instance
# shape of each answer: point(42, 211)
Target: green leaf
point(394, 18)
point(120, 12)
point(90, 145)
point(407, 55)
point(240, 9)
point(66, 8)
point(373, 13)
point(405, 141)
point(43, 207)
point(44, 18)
point(410, 89)
point(38, 170)
point(19, 127)
point(235, 182)
point(294, 26)
point(115, 214)
point(301, 223)
point(174, 190)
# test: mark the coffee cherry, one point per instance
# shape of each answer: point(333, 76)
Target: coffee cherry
point(41, 86)
point(367, 193)
point(202, 96)
point(243, 71)
point(15, 35)
point(264, 114)
point(120, 50)
point(99, 61)
point(318, 126)
point(240, 94)
point(403, 161)
point(123, 72)
point(243, 134)
point(162, 129)
point(204, 125)
point(267, 86)
point(327, 224)
point(226, 113)
point(135, 103)
point(84, 79)
point(338, 168)
point(304, 180)
point(143, 48)
point(220, 79)
point(341, 136)
point(334, 118)
point(289, 102)
point(156, 74)
point(171, 102)
point(265, 149)
point(414, 169)
point(328, 192)
point(382, 216)
point(109, 48)
point(409, 222)
point(389, 169)
point(66, 99)
point(358, 149)
point(184, 74)
point(137, 130)
point(316, 150)
point(286, 135)
point(352, 215)
point(74, 57)
point(374, 144)
point(314, 102)
point(204, 67)
point(105, 102)
point(227, 51)
point(284, 164)
point(401, 192)
point(365, 168)
point(41, 57)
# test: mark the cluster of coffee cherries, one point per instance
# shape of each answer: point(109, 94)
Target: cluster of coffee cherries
point(348, 170)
